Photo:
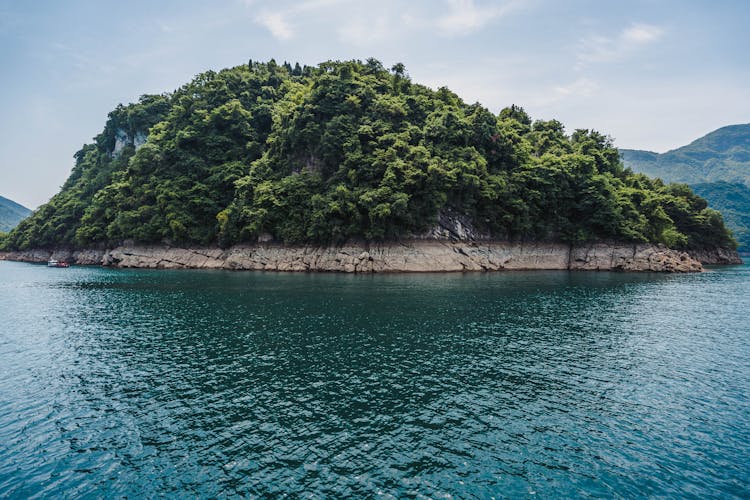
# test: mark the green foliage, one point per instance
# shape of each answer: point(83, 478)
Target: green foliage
point(717, 166)
point(733, 200)
point(349, 150)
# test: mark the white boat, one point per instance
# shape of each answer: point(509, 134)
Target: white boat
point(57, 263)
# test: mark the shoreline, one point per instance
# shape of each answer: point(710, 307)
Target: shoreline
point(394, 257)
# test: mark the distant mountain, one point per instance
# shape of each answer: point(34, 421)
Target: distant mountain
point(733, 201)
point(11, 213)
point(717, 166)
point(722, 155)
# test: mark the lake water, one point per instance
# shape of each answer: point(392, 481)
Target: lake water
point(143, 383)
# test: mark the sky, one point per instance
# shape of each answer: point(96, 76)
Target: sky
point(652, 74)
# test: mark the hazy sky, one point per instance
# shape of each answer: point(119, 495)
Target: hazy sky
point(652, 74)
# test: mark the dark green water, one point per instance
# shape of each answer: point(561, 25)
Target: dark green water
point(197, 383)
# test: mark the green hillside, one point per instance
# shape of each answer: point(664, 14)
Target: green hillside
point(717, 166)
point(349, 150)
point(11, 213)
point(722, 155)
point(733, 200)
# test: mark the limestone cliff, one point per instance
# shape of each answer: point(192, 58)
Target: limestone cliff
point(407, 256)
point(716, 255)
point(122, 139)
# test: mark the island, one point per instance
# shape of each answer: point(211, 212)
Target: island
point(350, 166)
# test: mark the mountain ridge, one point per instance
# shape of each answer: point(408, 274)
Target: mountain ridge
point(716, 166)
point(11, 213)
point(720, 155)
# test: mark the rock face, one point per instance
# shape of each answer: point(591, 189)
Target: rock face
point(455, 227)
point(81, 257)
point(716, 256)
point(122, 139)
point(407, 256)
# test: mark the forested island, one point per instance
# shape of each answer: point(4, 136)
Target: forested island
point(351, 152)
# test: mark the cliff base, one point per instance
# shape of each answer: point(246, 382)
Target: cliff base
point(407, 256)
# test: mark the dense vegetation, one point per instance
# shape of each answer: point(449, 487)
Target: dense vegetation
point(350, 150)
point(11, 213)
point(733, 200)
point(717, 166)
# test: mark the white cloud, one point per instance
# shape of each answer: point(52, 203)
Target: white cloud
point(312, 5)
point(363, 31)
point(364, 22)
point(464, 16)
point(582, 87)
point(599, 49)
point(276, 23)
point(641, 33)
point(390, 23)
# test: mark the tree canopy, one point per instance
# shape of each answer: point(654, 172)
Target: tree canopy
point(349, 150)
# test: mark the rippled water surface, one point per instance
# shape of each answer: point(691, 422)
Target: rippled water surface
point(184, 383)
